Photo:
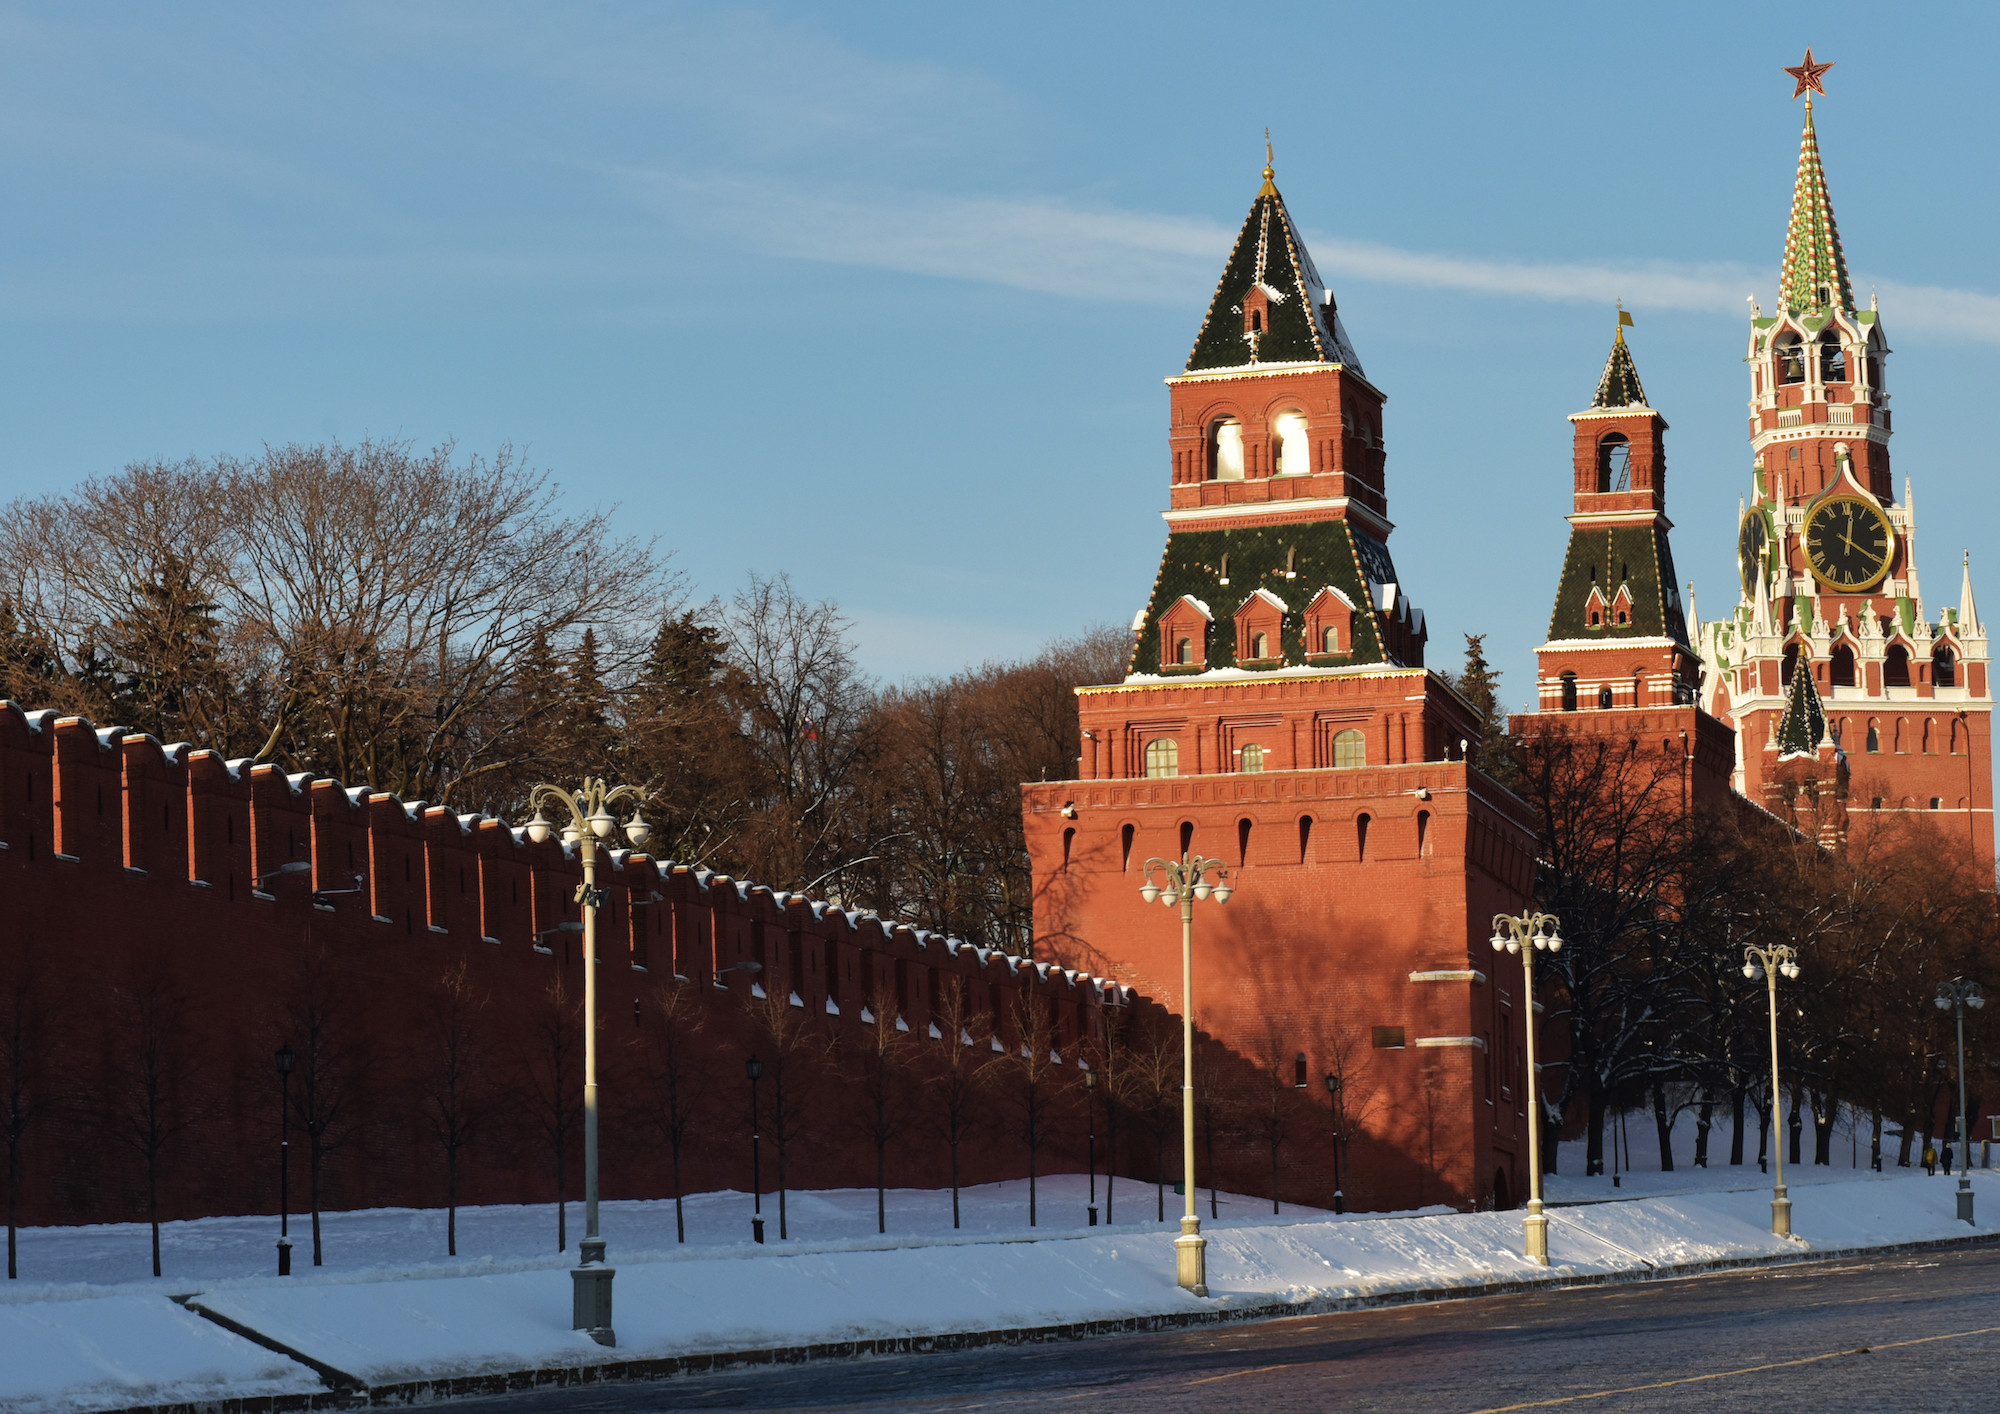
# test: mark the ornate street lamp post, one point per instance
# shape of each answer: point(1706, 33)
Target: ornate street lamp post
point(286, 1059)
point(590, 821)
point(1772, 963)
point(1339, 1139)
point(1182, 882)
point(1957, 995)
point(1524, 934)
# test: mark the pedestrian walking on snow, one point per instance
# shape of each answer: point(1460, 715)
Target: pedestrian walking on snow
point(1930, 1160)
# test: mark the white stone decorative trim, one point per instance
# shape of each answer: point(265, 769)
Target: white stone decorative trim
point(1460, 974)
point(1630, 516)
point(1475, 1041)
point(1381, 526)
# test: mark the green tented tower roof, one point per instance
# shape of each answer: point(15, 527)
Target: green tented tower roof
point(1619, 387)
point(1304, 325)
point(1803, 726)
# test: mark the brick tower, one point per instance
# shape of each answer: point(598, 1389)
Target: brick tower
point(1277, 714)
point(1619, 659)
point(1828, 563)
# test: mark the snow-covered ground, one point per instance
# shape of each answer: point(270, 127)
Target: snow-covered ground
point(383, 1241)
point(387, 1311)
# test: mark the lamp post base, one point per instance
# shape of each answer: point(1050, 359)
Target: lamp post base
point(1535, 1230)
point(756, 1229)
point(1781, 1214)
point(285, 1255)
point(590, 1290)
point(1191, 1257)
point(1965, 1201)
point(1093, 1214)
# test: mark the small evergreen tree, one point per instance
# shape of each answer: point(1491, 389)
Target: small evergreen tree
point(1479, 684)
point(169, 677)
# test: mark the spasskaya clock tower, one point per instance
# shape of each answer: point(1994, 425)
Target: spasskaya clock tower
point(1827, 557)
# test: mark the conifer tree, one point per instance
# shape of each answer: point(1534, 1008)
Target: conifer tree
point(682, 743)
point(169, 677)
point(1479, 685)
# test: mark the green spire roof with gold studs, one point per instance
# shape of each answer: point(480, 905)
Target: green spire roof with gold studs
point(1270, 256)
point(1803, 727)
point(1619, 386)
point(1815, 270)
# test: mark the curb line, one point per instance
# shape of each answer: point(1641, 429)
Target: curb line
point(347, 1391)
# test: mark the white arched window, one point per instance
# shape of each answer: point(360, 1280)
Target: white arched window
point(1294, 451)
point(1350, 748)
point(1260, 646)
point(1253, 758)
point(1330, 640)
point(1163, 757)
point(1225, 450)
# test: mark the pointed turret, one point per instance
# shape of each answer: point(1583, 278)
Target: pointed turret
point(1803, 726)
point(1271, 307)
point(1619, 385)
point(1968, 612)
point(1815, 269)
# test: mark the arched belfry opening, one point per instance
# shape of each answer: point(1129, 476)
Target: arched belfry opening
point(1614, 462)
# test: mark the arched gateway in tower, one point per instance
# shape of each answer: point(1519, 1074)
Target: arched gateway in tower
point(1278, 715)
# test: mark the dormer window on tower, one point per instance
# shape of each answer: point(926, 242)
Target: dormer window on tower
point(1256, 312)
point(1184, 634)
point(1832, 358)
point(1260, 628)
point(1614, 462)
point(1225, 450)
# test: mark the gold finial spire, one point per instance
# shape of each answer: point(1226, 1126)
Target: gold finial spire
point(1624, 321)
point(1270, 188)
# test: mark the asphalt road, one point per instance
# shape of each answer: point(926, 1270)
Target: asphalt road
point(1911, 1334)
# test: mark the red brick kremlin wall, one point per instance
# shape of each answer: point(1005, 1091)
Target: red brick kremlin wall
point(125, 868)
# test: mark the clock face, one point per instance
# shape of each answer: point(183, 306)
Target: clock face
point(1848, 544)
point(1751, 542)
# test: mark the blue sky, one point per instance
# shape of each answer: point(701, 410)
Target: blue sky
point(882, 295)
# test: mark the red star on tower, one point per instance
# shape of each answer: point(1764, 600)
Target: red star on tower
point(1808, 74)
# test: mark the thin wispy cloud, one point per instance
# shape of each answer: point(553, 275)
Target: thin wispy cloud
point(1104, 253)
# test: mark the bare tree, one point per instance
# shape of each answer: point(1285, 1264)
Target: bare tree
point(669, 1049)
point(1268, 1100)
point(357, 612)
point(1152, 1093)
point(453, 1076)
point(796, 1047)
point(942, 793)
point(25, 1094)
point(1026, 1073)
point(880, 1056)
point(150, 1103)
point(960, 1030)
point(554, 1088)
point(799, 698)
point(334, 1066)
